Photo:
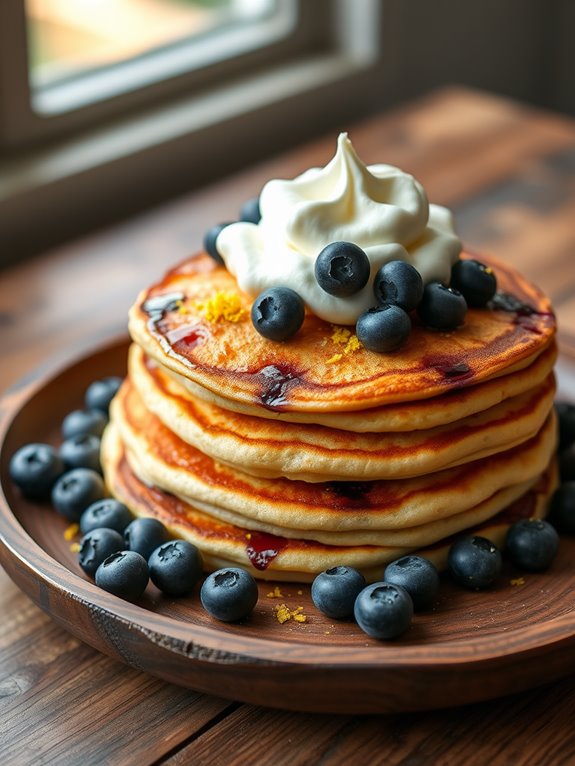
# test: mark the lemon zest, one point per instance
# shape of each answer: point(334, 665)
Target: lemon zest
point(222, 305)
point(71, 531)
point(276, 593)
point(334, 358)
point(284, 613)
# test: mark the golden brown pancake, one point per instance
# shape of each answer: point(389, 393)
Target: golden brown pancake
point(181, 322)
point(267, 448)
point(274, 557)
point(398, 511)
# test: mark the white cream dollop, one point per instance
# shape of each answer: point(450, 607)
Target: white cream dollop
point(380, 208)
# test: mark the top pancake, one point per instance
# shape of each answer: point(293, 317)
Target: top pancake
point(318, 369)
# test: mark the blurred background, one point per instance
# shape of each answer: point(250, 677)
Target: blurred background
point(110, 106)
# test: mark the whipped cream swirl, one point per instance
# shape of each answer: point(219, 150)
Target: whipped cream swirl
point(380, 208)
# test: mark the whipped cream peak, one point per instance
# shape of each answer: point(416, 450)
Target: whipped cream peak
point(378, 207)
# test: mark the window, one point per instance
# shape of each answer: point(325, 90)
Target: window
point(89, 88)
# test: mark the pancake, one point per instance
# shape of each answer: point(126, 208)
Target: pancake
point(196, 322)
point(403, 416)
point(312, 453)
point(275, 557)
point(312, 509)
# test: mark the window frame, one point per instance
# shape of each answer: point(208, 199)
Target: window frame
point(59, 167)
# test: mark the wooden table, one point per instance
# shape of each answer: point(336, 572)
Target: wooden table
point(508, 173)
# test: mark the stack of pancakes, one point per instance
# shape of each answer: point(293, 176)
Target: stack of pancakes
point(290, 458)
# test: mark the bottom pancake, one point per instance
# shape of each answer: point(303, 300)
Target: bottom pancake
point(279, 558)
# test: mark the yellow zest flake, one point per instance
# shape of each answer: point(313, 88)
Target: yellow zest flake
point(284, 613)
point(221, 305)
point(353, 344)
point(300, 592)
point(518, 581)
point(75, 547)
point(71, 531)
point(248, 535)
point(340, 335)
point(334, 358)
point(276, 593)
point(182, 308)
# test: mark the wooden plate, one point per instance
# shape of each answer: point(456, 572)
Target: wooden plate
point(472, 646)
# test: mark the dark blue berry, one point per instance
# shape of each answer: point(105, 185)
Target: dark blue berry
point(250, 210)
point(210, 242)
point(475, 281)
point(107, 512)
point(335, 590)
point(383, 610)
point(81, 452)
point(82, 422)
point(532, 544)
point(76, 490)
point(144, 535)
point(441, 307)
point(398, 283)
point(34, 468)
point(278, 313)
point(566, 415)
point(567, 464)
point(175, 567)
point(100, 393)
point(474, 562)
point(342, 268)
point(383, 329)
point(418, 576)
point(562, 514)
point(229, 594)
point(125, 574)
point(96, 546)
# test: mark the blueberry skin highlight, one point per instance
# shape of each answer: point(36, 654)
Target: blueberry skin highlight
point(334, 591)
point(81, 451)
point(82, 422)
point(144, 535)
point(125, 574)
point(532, 544)
point(76, 490)
point(35, 468)
point(175, 567)
point(229, 594)
point(474, 562)
point(398, 283)
point(108, 512)
point(278, 313)
point(441, 307)
point(342, 269)
point(383, 329)
point(96, 546)
point(418, 576)
point(383, 610)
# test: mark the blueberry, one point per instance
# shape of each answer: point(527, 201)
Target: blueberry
point(383, 610)
point(566, 414)
point(441, 307)
point(398, 283)
point(562, 514)
point(475, 281)
point(81, 451)
point(144, 535)
point(250, 211)
point(335, 590)
point(81, 422)
point(278, 313)
point(532, 544)
point(34, 468)
point(125, 574)
point(76, 490)
point(107, 512)
point(342, 268)
point(474, 562)
point(175, 567)
point(418, 576)
point(96, 546)
point(229, 594)
point(210, 242)
point(383, 329)
point(100, 393)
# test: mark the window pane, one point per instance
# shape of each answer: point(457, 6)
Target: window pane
point(74, 39)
